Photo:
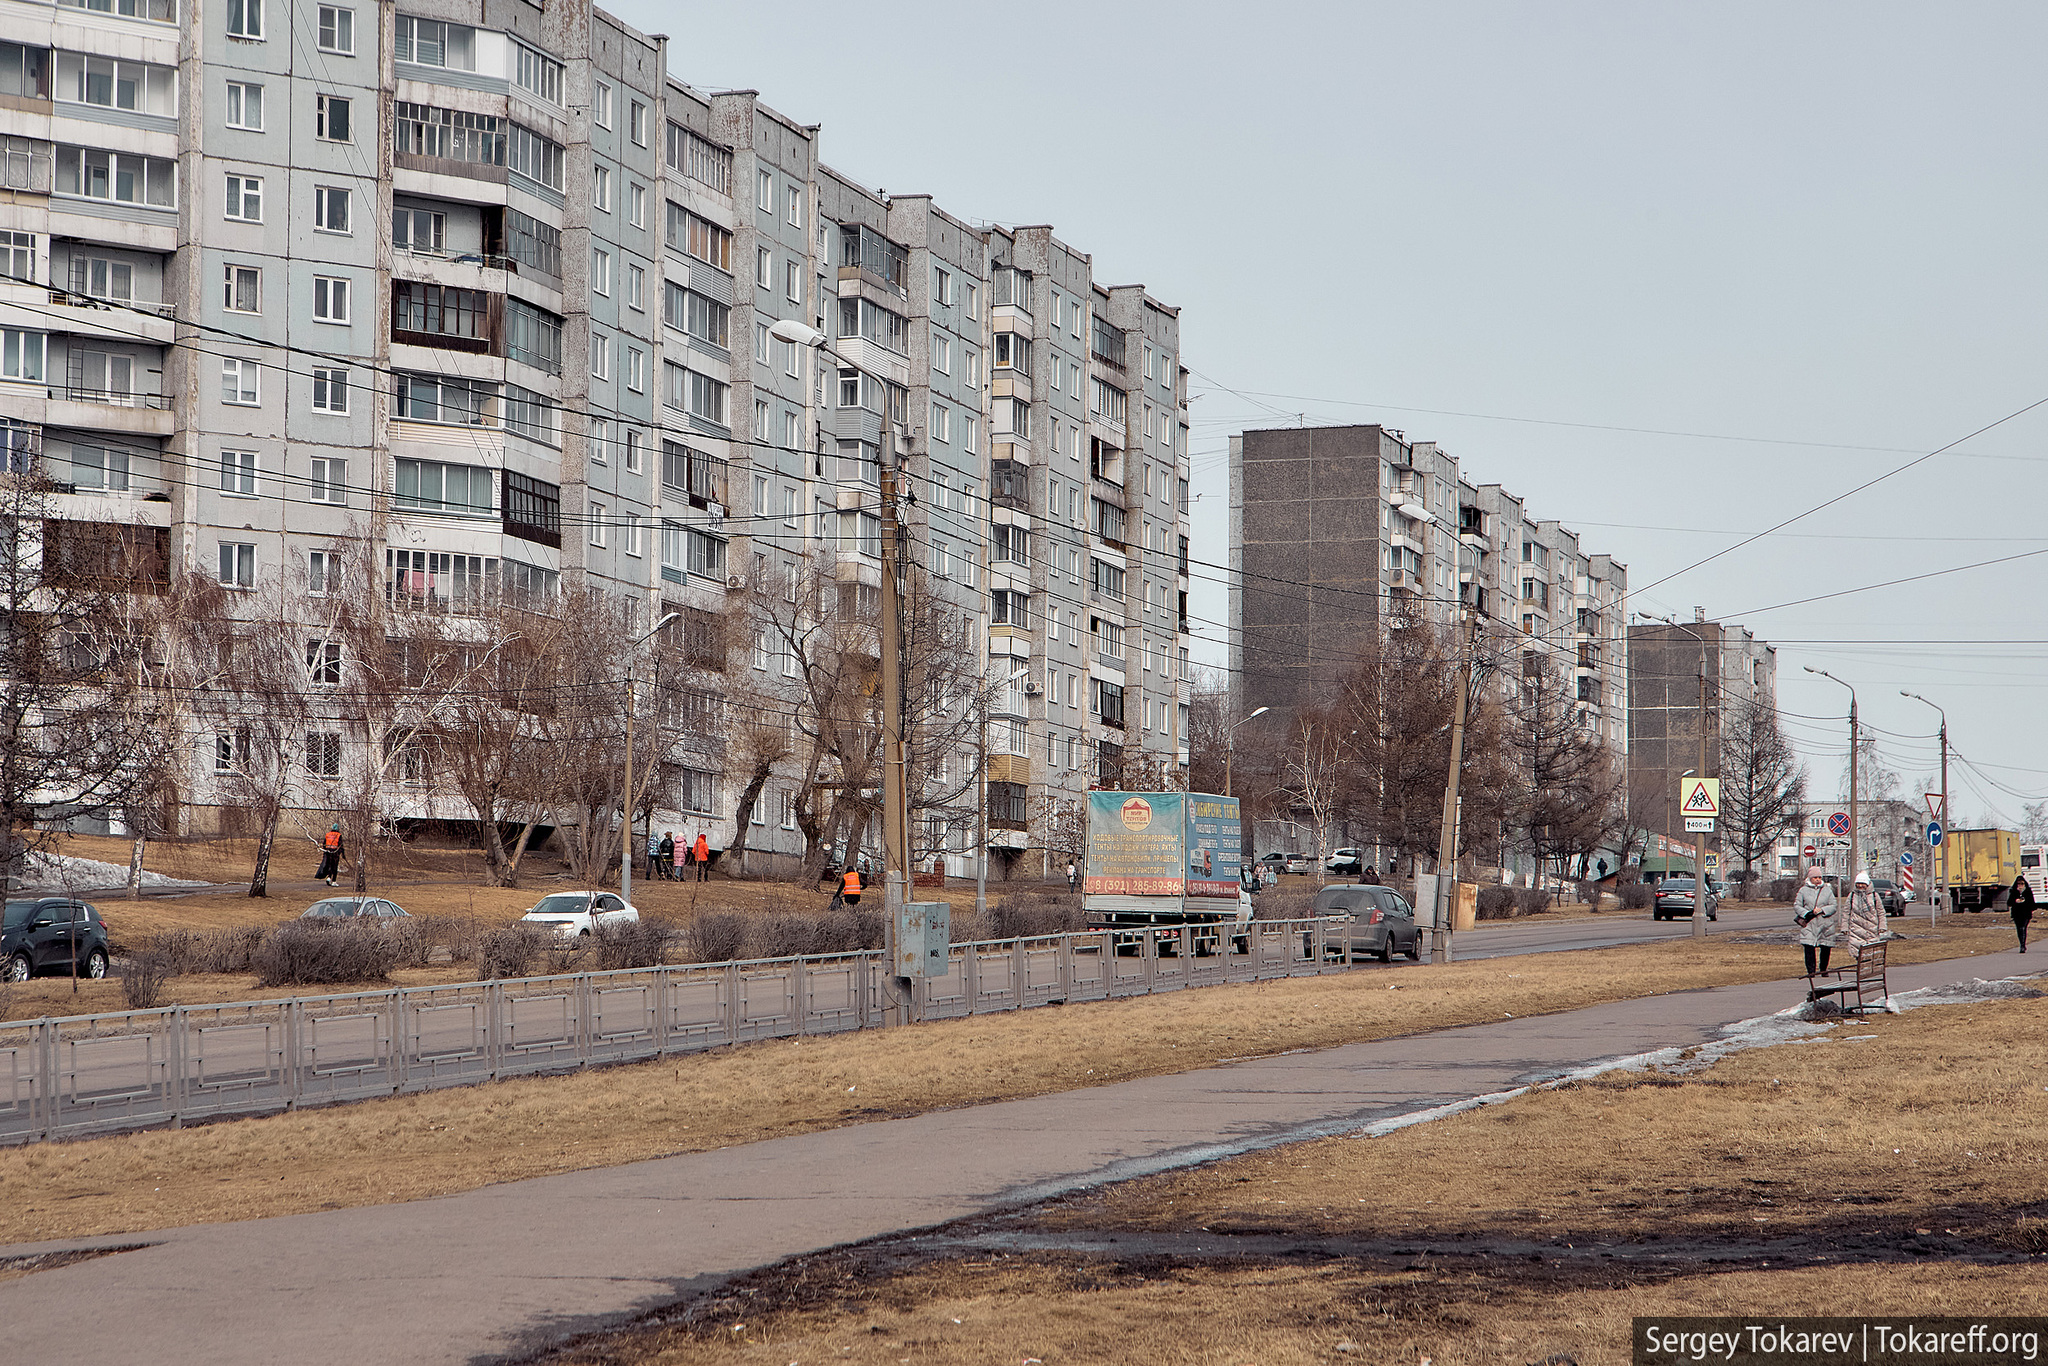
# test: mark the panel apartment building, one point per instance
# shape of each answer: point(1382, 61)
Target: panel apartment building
point(1664, 717)
point(478, 283)
point(1336, 529)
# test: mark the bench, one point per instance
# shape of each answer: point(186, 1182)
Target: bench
point(1864, 980)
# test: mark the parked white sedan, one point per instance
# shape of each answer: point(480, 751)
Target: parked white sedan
point(575, 914)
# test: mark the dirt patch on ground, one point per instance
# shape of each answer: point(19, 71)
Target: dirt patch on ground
point(1894, 1165)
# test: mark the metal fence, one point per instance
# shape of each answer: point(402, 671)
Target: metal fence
point(96, 1074)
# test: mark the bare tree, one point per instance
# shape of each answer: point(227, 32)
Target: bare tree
point(1572, 802)
point(1309, 776)
point(1762, 783)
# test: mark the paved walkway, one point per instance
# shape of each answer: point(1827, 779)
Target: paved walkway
point(468, 1277)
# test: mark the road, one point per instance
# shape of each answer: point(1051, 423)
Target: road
point(467, 1278)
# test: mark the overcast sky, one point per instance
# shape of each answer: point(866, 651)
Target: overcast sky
point(1673, 273)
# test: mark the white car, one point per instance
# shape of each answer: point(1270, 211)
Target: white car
point(573, 915)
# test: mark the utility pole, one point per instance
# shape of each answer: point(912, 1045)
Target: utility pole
point(1447, 846)
point(1937, 887)
point(627, 802)
point(1855, 804)
point(895, 778)
point(1699, 886)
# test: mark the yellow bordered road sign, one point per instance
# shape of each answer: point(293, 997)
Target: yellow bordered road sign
point(1699, 797)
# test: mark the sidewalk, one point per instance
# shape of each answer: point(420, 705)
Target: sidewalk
point(514, 1267)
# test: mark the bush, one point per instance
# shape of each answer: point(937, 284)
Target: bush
point(849, 930)
point(1784, 888)
point(1021, 915)
point(1637, 896)
point(637, 944)
point(1496, 903)
point(142, 981)
point(507, 950)
point(178, 952)
point(1531, 901)
point(715, 937)
point(302, 954)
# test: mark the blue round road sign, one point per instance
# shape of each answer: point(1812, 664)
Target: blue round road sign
point(1838, 824)
point(1934, 834)
point(1906, 860)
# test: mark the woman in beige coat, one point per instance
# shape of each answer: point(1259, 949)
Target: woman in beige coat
point(1813, 911)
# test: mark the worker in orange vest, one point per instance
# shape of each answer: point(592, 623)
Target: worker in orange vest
point(849, 886)
point(330, 855)
point(703, 856)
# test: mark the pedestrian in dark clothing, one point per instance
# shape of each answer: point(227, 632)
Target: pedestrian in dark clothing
point(668, 854)
point(653, 856)
point(1073, 877)
point(1370, 877)
point(2020, 901)
point(330, 855)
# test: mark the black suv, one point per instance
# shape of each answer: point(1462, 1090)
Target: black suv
point(41, 934)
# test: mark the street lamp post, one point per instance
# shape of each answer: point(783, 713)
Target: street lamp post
point(1855, 809)
point(627, 802)
point(1230, 746)
point(1936, 897)
point(981, 861)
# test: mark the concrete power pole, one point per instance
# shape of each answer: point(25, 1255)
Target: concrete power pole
point(895, 777)
point(1447, 846)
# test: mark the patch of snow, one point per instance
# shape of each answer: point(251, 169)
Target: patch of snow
point(88, 875)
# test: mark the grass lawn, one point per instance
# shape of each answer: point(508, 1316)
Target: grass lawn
point(462, 1139)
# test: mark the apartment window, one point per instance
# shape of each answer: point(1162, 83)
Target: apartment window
point(245, 106)
point(942, 354)
point(760, 340)
point(429, 42)
point(337, 30)
point(539, 73)
point(862, 318)
point(447, 399)
point(244, 290)
point(702, 161)
point(602, 114)
point(760, 419)
point(636, 199)
point(630, 525)
point(636, 287)
point(331, 118)
point(238, 473)
point(330, 209)
point(970, 433)
point(764, 267)
point(245, 18)
point(600, 271)
point(237, 564)
point(418, 230)
point(764, 191)
point(702, 317)
point(119, 176)
point(699, 395)
point(537, 158)
point(942, 423)
point(793, 281)
point(245, 198)
point(636, 369)
point(323, 573)
point(793, 203)
point(789, 505)
point(942, 286)
point(330, 299)
point(431, 486)
point(601, 188)
point(423, 130)
point(699, 237)
point(636, 120)
point(533, 336)
point(323, 662)
point(970, 299)
point(635, 452)
point(789, 359)
point(533, 243)
point(439, 311)
point(597, 512)
point(18, 259)
point(98, 467)
point(328, 481)
point(323, 753)
point(706, 554)
point(330, 390)
point(238, 381)
point(600, 355)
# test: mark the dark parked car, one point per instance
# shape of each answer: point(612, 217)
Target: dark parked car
point(1888, 893)
point(42, 934)
point(354, 908)
point(1674, 900)
point(1380, 920)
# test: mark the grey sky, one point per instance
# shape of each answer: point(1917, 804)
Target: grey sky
point(1808, 223)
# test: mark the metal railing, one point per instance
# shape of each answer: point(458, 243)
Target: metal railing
point(97, 1074)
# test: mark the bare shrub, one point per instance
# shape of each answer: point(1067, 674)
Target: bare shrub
point(299, 954)
point(409, 940)
point(715, 937)
point(1784, 888)
point(1531, 900)
point(142, 980)
point(848, 931)
point(179, 952)
point(1496, 903)
point(635, 944)
point(507, 951)
point(784, 936)
point(1637, 896)
point(1020, 915)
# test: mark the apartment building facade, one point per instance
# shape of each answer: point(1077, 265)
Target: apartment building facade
point(480, 285)
point(1664, 705)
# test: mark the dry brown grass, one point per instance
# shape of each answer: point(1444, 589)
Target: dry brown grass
point(1928, 1133)
point(462, 1139)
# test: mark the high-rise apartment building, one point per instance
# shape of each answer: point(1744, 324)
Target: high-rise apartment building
point(483, 288)
point(1665, 709)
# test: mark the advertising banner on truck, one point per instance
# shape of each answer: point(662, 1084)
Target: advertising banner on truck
point(1134, 844)
point(1214, 844)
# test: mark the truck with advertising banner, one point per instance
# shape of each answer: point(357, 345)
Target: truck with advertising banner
point(1166, 859)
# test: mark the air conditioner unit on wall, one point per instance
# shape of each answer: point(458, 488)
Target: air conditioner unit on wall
point(1032, 687)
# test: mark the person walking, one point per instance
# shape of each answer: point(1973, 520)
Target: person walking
point(849, 886)
point(678, 856)
point(702, 850)
point(1073, 877)
point(1813, 911)
point(330, 855)
point(653, 856)
point(2020, 901)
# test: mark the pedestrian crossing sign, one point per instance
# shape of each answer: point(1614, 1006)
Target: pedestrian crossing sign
point(1699, 797)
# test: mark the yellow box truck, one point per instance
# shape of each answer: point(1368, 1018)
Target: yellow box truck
point(1981, 867)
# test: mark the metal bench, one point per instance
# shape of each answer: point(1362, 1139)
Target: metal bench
point(1864, 980)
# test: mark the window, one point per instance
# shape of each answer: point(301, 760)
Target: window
point(119, 176)
point(764, 191)
point(600, 271)
point(323, 662)
point(942, 422)
point(330, 118)
point(245, 198)
point(636, 369)
point(699, 395)
point(237, 564)
point(793, 201)
point(764, 267)
point(24, 71)
point(1106, 579)
point(942, 354)
point(245, 18)
point(706, 554)
point(245, 106)
point(601, 188)
point(98, 467)
point(323, 573)
point(971, 360)
point(244, 290)
point(1011, 417)
point(18, 258)
point(1009, 545)
point(636, 287)
point(330, 209)
point(427, 311)
point(970, 433)
point(634, 452)
point(602, 113)
point(533, 243)
point(539, 73)
point(636, 198)
point(702, 317)
point(337, 30)
point(430, 486)
point(636, 120)
point(323, 753)
point(531, 415)
point(447, 399)
point(328, 481)
point(330, 299)
point(330, 390)
point(238, 381)
point(429, 42)
point(600, 355)
point(630, 525)
point(862, 318)
point(418, 230)
point(535, 157)
point(942, 286)
point(533, 336)
point(422, 130)
point(970, 300)
point(597, 511)
point(793, 281)
point(760, 419)
point(238, 473)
